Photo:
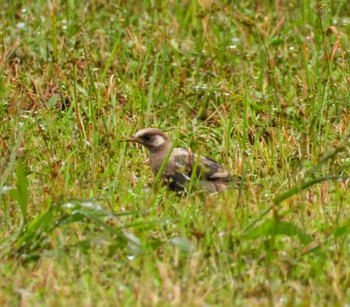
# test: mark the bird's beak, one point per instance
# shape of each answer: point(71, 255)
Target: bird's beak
point(131, 139)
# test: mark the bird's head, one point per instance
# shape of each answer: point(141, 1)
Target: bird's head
point(151, 138)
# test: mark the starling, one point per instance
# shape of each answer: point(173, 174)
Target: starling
point(182, 163)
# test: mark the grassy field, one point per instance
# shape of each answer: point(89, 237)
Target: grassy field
point(260, 86)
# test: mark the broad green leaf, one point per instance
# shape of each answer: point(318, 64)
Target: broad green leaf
point(273, 228)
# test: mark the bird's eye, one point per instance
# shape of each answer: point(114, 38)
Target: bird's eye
point(146, 137)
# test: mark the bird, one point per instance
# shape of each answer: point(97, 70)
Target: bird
point(183, 168)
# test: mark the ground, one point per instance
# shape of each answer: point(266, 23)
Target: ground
point(260, 86)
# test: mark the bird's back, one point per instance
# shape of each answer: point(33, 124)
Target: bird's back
point(210, 175)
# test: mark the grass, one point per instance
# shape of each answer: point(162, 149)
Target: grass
point(262, 87)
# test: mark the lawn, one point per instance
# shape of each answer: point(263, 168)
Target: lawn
point(260, 86)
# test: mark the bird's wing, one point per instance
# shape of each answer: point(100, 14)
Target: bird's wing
point(211, 175)
point(181, 160)
point(211, 170)
point(186, 162)
point(217, 176)
point(176, 173)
